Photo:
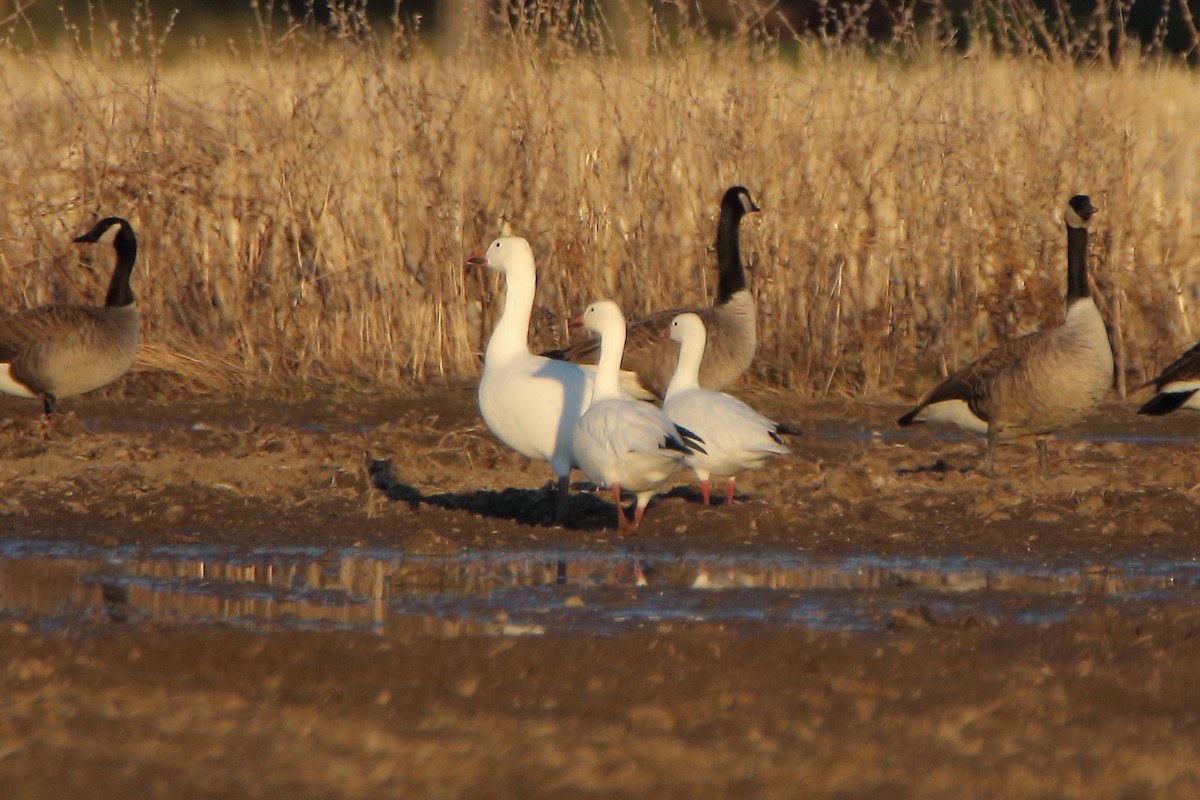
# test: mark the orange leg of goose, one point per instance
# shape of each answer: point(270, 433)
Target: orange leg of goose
point(638, 513)
point(704, 491)
point(624, 527)
point(729, 493)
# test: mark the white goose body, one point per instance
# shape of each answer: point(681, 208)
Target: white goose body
point(622, 443)
point(736, 437)
point(531, 403)
point(533, 407)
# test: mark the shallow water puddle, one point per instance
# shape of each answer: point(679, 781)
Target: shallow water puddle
point(57, 586)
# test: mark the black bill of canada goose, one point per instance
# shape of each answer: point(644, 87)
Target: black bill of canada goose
point(1039, 383)
point(1177, 386)
point(731, 321)
point(59, 351)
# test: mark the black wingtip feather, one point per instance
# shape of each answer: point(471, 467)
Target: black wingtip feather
point(786, 429)
point(1165, 403)
point(692, 442)
point(909, 418)
point(673, 444)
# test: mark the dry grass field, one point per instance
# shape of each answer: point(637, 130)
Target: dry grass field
point(305, 200)
point(362, 594)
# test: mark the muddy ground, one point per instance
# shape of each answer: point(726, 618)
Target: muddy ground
point(1103, 703)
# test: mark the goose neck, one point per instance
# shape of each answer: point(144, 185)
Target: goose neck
point(1077, 278)
point(511, 334)
point(731, 274)
point(608, 368)
point(687, 371)
point(120, 293)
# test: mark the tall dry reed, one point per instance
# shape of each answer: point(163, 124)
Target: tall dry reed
point(305, 200)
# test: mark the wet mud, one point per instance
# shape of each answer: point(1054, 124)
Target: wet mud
point(366, 596)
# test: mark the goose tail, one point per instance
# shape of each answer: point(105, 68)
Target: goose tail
point(1165, 402)
point(691, 442)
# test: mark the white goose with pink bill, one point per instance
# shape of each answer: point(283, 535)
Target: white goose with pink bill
point(621, 443)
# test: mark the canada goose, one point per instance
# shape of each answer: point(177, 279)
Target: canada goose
point(531, 403)
point(621, 443)
point(59, 351)
point(1041, 382)
point(731, 321)
point(1176, 386)
point(736, 437)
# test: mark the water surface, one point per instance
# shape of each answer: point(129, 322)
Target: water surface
point(57, 585)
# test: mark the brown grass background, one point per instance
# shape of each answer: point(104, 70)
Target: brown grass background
point(305, 200)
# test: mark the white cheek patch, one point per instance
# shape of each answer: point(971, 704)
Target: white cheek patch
point(1177, 387)
point(10, 385)
point(954, 412)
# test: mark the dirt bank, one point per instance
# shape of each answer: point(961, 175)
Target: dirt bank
point(926, 704)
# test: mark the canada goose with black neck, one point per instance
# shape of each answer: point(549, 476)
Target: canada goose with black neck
point(731, 321)
point(59, 351)
point(1039, 383)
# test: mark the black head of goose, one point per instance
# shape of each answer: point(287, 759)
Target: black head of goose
point(59, 351)
point(1039, 383)
point(731, 321)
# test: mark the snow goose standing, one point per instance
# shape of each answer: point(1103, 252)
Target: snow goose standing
point(731, 321)
point(530, 402)
point(1039, 383)
point(621, 443)
point(736, 437)
point(1177, 386)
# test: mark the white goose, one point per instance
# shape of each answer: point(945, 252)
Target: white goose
point(622, 443)
point(736, 437)
point(531, 403)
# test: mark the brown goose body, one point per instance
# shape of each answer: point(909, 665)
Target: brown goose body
point(1040, 383)
point(60, 351)
point(1177, 386)
point(731, 321)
